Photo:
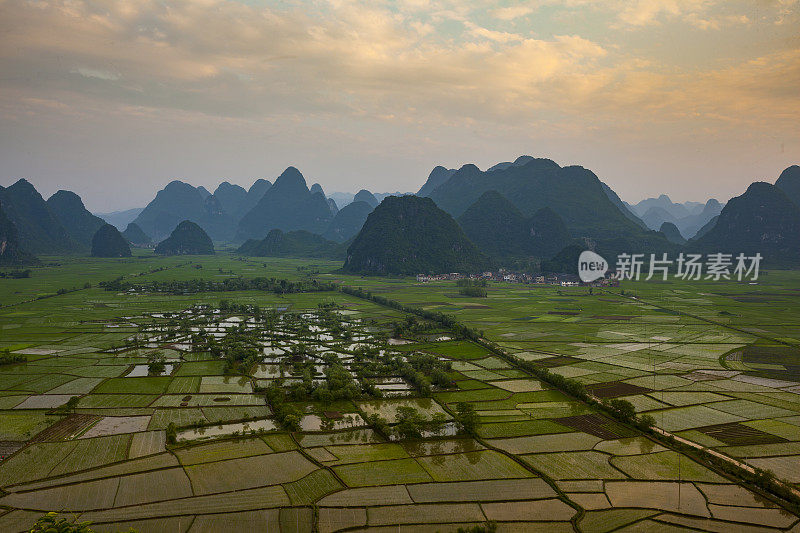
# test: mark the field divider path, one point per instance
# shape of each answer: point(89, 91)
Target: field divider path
point(547, 479)
point(703, 319)
point(658, 435)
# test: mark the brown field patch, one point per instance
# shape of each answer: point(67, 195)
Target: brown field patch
point(615, 389)
point(597, 425)
point(736, 434)
point(64, 428)
point(559, 360)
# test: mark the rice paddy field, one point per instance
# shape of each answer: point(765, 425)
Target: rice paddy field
point(201, 446)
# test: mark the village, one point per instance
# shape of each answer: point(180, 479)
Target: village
point(509, 276)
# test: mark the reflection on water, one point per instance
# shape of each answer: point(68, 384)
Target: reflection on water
point(316, 423)
point(207, 432)
point(270, 371)
point(142, 370)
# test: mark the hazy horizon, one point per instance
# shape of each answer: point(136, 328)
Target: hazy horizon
point(690, 99)
point(46, 191)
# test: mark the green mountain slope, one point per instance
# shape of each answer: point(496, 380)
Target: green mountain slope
point(81, 225)
point(11, 253)
point(615, 199)
point(496, 227)
point(180, 201)
point(109, 242)
point(38, 229)
point(134, 235)
point(348, 222)
point(763, 220)
point(297, 243)
point(575, 193)
point(410, 235)
point(186, 239)
point(672, 233)
point(789, 183)
point(499, 230)
point(287, 205)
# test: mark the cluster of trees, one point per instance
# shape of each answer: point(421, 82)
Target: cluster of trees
point(413, 326)
point(16, 274)
point(239, 349)
point(156, 366)
point(472, 287)
point(8, 358)
point(69, 406)
point(53, 523)
point(192, 286)
point(467, 418)
point(338, 384)
point(286, 415)
point(411, 424)
point(422, 371)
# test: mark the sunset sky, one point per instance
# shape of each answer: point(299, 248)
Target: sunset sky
point(113, 99)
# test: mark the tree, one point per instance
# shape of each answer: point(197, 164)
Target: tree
point(623, 408)
point(172, 433)
point(52, 523)
point(467, 417)
point(156, 366)
point(70, 405)
point(409, 423)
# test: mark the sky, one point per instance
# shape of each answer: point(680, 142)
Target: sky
point(114, 99)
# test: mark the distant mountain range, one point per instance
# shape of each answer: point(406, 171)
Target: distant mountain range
point(688, 217)
point(348, 221)
point(437, 177)
point(180, 201)
point(121, 219)
point(592, 214)
point(344, 198)
point(574, 193)
point(526, 209)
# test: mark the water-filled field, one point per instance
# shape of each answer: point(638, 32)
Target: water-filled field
point(298, 416)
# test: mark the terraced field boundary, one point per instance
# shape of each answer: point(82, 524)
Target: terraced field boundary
point(758, 480)
point(703, 319)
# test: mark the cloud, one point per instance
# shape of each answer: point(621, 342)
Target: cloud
point(94, 73)
point(492, 35)
point(431, 65)
point(512, 12)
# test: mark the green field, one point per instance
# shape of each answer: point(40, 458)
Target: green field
point(714, 363)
